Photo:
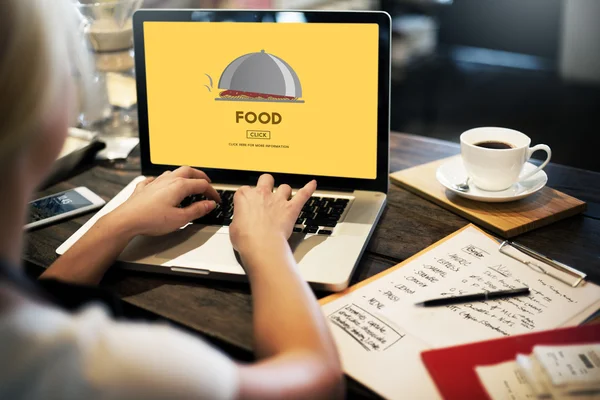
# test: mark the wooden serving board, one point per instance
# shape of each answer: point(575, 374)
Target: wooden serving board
point(506, 219)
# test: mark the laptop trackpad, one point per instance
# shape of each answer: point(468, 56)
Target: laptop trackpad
point(196, 244)
point(168, 247)
point(301, 245)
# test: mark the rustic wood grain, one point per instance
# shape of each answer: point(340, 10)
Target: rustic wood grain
point(507, 219)
point(222, 311)
point(409, 225)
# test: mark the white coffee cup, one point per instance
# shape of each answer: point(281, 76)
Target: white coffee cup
point(498, 169)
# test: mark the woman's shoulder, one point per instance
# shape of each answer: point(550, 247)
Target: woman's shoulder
point(26, 321)
point(89, 350)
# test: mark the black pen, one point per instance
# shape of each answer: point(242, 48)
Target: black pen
point(475, 297)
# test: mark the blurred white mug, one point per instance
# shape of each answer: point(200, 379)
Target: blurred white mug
point(494, 157)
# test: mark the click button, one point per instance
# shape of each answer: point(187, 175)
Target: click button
point(258, 134)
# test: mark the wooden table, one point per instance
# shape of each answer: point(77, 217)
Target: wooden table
point(222, 312)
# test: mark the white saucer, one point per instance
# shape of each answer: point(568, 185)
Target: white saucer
point(453, 172)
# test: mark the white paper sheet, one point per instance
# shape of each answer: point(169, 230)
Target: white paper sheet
point(121, 90)
point(505, 381)
point(567, 365)
point(467, 263)
point(117, 147)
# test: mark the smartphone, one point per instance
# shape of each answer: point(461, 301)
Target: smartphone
point(63, 205)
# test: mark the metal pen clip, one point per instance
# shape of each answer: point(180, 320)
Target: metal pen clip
point(546, 261)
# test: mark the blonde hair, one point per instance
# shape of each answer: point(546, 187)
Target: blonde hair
point(39, 46)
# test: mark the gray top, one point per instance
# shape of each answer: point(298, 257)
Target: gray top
point(261, 73)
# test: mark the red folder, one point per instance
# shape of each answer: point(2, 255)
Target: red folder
point(453, 368)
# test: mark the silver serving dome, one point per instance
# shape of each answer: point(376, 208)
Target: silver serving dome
point(261, 73)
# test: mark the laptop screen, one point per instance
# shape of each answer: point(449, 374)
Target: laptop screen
point(296, 98)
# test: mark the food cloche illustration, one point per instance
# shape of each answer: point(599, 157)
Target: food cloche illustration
point(260, 77)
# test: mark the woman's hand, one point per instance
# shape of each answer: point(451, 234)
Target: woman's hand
point(153, 208)
point(298, 349)
point(260, 214)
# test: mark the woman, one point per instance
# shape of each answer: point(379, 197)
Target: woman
point(46, 352)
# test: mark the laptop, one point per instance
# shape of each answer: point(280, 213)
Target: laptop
point(301, 95)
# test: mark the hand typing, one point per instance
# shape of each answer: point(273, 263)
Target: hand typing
point(153, 208)
point(261, 214)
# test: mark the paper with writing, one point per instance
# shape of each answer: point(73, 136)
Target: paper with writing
point(467, 263)
point(575, 364)
point(369, 331)
point(505, 381)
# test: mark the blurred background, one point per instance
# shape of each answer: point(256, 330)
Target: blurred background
point(530, 65)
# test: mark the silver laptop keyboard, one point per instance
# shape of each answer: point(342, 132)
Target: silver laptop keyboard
point(318, 216)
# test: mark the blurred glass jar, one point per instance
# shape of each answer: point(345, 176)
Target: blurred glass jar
point(107, 28)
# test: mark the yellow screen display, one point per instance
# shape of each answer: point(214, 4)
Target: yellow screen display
point(287, 98)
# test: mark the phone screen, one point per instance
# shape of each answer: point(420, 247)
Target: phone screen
point(57, 204)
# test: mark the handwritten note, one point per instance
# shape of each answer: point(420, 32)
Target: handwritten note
point(369, 331)
point(469, 262)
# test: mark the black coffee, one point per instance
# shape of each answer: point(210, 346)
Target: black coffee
point(492, 144)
